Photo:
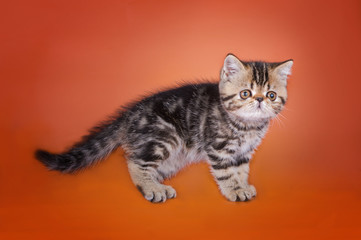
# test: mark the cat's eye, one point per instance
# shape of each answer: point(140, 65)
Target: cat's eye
point(271, 95)
point(245, 94)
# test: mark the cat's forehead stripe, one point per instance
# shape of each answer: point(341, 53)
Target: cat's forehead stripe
point(260, 73)
point(255, 75)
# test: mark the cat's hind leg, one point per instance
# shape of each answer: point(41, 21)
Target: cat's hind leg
point(147, 179)
point(143, 164)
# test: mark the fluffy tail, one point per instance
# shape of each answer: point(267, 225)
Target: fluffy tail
point(101, 141)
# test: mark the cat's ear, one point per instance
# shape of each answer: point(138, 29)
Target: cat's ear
point(233, 68)
point(283, 70)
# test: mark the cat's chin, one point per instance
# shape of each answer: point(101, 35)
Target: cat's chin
point(253, 119)
point(254, 116)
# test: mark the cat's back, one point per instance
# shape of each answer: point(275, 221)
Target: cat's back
point(182, 95)
point(176, 108)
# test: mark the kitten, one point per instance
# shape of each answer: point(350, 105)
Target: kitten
point(220, 123)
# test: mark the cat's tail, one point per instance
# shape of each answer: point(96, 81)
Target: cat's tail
point(101, 141)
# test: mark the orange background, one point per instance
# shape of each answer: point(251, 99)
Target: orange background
point(66, 65)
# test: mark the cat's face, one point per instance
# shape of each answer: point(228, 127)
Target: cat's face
point(254, 91)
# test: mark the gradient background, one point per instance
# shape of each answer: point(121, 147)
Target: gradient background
point(66, 65)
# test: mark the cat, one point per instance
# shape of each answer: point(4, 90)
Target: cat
point(222, 123)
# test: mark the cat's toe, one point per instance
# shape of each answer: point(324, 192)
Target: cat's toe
point(159, 196)
point(246, 194)
point(241, 194)
point(158, 193)
point(252, 190)
point(170, 192)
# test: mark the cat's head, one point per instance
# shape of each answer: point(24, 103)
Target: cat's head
point(254, 91)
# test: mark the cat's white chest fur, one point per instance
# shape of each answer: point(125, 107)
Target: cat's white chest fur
point(250, 141)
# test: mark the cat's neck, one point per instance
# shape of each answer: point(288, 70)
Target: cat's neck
point(250, 124)
point(244, 124)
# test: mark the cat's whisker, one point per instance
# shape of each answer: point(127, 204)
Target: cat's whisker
point(287, 109)
point(281, 115)
point(279, 120)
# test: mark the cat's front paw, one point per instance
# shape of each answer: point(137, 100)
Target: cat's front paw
point(156, 193)
point(239, 194)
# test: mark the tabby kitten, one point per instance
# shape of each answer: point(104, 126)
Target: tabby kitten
point(220, 123)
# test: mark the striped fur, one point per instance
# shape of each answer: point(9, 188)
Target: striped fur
point(169, 130)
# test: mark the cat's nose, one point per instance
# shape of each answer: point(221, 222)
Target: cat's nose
point(259, 99)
